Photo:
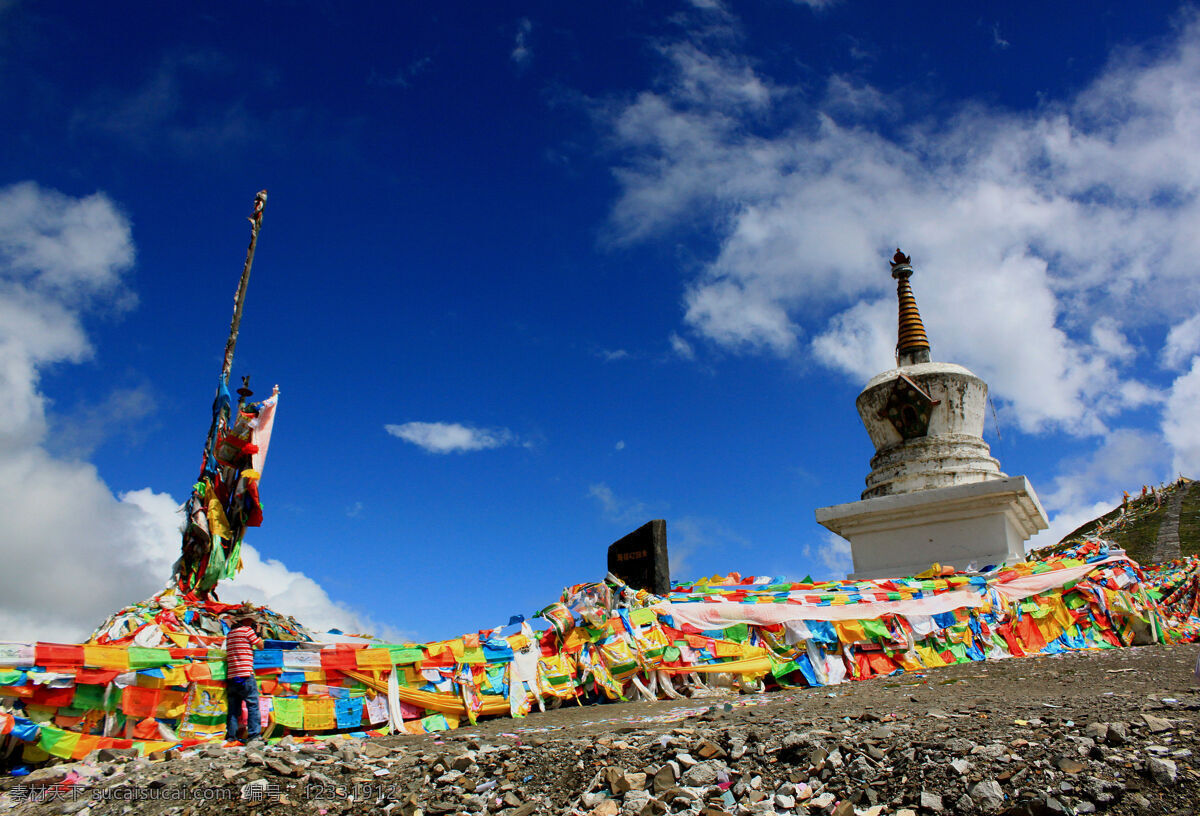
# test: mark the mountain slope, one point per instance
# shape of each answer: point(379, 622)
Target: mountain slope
point(1161, 525)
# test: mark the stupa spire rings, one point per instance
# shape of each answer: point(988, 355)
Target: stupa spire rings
point(912, 345)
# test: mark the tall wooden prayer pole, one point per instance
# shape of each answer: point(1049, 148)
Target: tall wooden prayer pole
point(260, 201)
point(195, 570)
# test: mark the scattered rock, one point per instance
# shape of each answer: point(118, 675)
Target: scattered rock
point(988, 795)
point(1157, 725)
point(844, 808)
point(1069, 765)
point(700, 774)
point(607, 807)
point(375, 751)
point(931, 801)
point(1162, 771)
point(1138, 801)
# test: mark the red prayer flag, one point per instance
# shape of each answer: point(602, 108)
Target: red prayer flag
point(58, 655)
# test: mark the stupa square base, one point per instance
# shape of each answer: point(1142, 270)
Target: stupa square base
point(965, 525)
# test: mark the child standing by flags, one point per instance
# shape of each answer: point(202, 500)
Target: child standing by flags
point(240, 683)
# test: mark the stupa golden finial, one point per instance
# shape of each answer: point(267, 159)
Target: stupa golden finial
point(912, 345)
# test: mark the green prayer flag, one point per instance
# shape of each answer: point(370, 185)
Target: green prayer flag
point(57, 742)
point(289, 711)
point(406, 654)
point(215, 569)
point(738, 633)
point(875, 628)
point(141, 657)
point(231, 563)
point(778, 669)
point(88, 697)
point(435, 722)
point(640, 617)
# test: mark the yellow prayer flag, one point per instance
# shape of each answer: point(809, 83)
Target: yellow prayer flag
point(850, 631)
point(113, 658)
point(576, 640)
point(218, 524)
point(1049, 627)
point(931, 658)
point(170, 704)
point(723, 648)
point(373, 658)
point(319, 714)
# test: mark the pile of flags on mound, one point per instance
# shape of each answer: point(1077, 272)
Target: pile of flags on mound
point(1175, 586)
point(152, 676)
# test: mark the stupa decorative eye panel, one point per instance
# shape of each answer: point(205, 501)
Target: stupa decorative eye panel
point(908, 408)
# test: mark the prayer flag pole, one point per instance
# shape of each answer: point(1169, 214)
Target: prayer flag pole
point(239, 300)
point(225, 498)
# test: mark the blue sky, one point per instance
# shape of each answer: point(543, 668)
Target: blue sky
point(533, 273)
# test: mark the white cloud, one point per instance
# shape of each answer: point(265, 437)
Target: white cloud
point(159, 115)
point(451, 437)
point(817, 5)
point(1182, 342)
point(998, 40)
point(695, 538)
point(725, 79)
point(522, 53)
point(403, 77)
point(835, 556)
point(612, 355)
point(1181, 424)
point(621, 511)
point(124, 412)
point(1126, 458)
point(620, 444)
point(849, 98)
point(682, 348)
point(73, 552)
point(1045, 243)
point(1065, 521)
point(268, 581)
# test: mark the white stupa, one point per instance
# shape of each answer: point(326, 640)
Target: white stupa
point(934, 493)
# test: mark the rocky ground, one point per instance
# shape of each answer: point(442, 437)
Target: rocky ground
point(1111, 732)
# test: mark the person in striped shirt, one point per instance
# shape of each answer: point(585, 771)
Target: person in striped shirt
point(240, 683)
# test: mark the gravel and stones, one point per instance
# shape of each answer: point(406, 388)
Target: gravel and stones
point(1110, 732)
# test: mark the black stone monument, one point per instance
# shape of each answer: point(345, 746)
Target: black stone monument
point(640, 558)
